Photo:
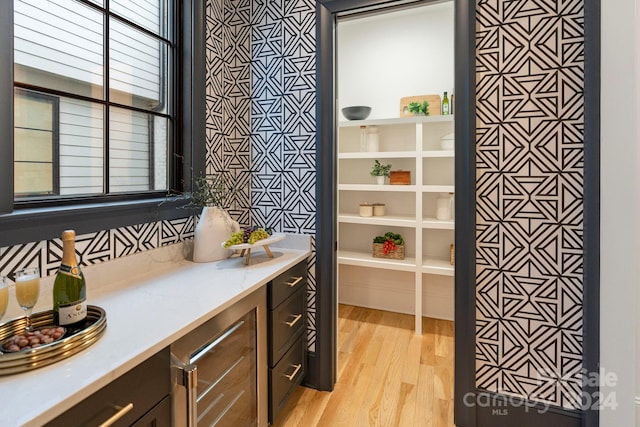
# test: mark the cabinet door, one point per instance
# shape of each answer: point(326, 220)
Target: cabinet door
point(159, 416)
point(286, 284)
point(286, 324)
point(132, 395)
point(285, 376)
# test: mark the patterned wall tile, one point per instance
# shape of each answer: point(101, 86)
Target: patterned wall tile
point(97, 247)
point(530, 122)
point(283, 126)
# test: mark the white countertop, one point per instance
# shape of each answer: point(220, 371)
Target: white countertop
point(166, 299)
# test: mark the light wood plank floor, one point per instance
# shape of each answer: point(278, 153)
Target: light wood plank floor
point(387, 375)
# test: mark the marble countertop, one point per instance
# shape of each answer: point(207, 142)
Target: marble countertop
point(151, 300)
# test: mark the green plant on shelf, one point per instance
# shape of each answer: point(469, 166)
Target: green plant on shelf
point(379, 169)
point(390, 241)
point(419, 107)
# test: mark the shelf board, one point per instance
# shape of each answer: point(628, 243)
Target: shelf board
point(438, 224)
point(437, 266)
point(378, 155)
point(396, 121)
point(438, 153)
point(395, 220)
point(362, 259)
point(386, 187)
point(438, 188)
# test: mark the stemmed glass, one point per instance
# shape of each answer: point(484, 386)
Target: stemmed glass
point(4, 295)
point(27, 290)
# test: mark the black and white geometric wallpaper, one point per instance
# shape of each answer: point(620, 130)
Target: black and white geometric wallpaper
point(94, 248)
point(529, 144)
point(261, 114)
point(228, 99)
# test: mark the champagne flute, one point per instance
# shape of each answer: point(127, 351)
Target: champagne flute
point(4, 295)
point(27, 290)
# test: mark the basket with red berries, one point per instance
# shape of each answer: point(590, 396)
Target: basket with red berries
point(391, 246)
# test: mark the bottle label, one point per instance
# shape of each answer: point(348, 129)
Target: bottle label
point(72, 313)
point(73, 271)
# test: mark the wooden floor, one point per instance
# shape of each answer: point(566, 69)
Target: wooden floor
point(387, 375)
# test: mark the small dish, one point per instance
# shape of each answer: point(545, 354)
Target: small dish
point(358, 112)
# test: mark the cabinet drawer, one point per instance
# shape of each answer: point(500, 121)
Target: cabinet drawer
point(287, 283)
point(285, 376)
point(143, 387)
point(159, 416)
point(286, 323)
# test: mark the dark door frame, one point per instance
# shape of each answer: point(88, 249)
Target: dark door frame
point(323, 363)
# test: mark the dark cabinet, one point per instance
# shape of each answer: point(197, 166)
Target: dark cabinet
point(287, 318)
point(138, 398)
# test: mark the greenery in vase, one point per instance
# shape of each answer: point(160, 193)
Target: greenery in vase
point(380, 170)
point(215, 190)
point(419, 107)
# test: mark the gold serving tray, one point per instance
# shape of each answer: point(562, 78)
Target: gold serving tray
point(21, 361)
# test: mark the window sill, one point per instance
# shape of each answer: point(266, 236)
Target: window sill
point(33, 225)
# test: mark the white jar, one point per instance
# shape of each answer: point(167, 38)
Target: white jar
point(378, 209)
point(444, 206)
point(447, 142)
point(366, 209)
point(373, 139)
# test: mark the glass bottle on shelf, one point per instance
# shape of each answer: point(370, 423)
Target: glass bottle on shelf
point(452, 105)
point(444, 206)
point(373, 140)
point(363, 138)
point(445, 105)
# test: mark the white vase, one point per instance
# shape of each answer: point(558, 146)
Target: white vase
point(380, 180)
point(213, 228)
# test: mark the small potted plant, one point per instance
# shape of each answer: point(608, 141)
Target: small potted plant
point(419, 108)
point(380, 171)
point(391, 245)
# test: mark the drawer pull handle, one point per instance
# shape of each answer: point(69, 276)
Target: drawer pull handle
point(291, 376)
point(294, 321)
point(295, 282)
point(121, 413)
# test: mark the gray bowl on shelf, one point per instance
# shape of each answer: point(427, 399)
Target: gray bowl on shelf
point(359, 112)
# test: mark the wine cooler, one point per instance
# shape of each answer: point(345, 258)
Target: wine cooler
point(218, 373)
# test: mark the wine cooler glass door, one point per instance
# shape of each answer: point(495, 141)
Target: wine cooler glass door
point(226, 377)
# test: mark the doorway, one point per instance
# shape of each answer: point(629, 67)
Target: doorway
point(391, 61)
point(327, 13)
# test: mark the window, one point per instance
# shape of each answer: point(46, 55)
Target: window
point(108, 113)
point(108, 70)
point(35, 140)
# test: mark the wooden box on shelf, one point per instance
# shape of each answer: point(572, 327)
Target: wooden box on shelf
point(433, 100)
point(397, 253)
point(400, 177)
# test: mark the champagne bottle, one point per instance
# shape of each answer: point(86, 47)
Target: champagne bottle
point(445, 105)
point(69, 288)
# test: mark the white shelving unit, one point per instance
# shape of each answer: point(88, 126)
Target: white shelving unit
point(422, 283)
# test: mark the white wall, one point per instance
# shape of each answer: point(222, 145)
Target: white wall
point(620, 210)
point(400, 54)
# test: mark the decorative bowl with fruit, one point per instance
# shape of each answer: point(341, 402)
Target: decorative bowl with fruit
point(251, 237)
